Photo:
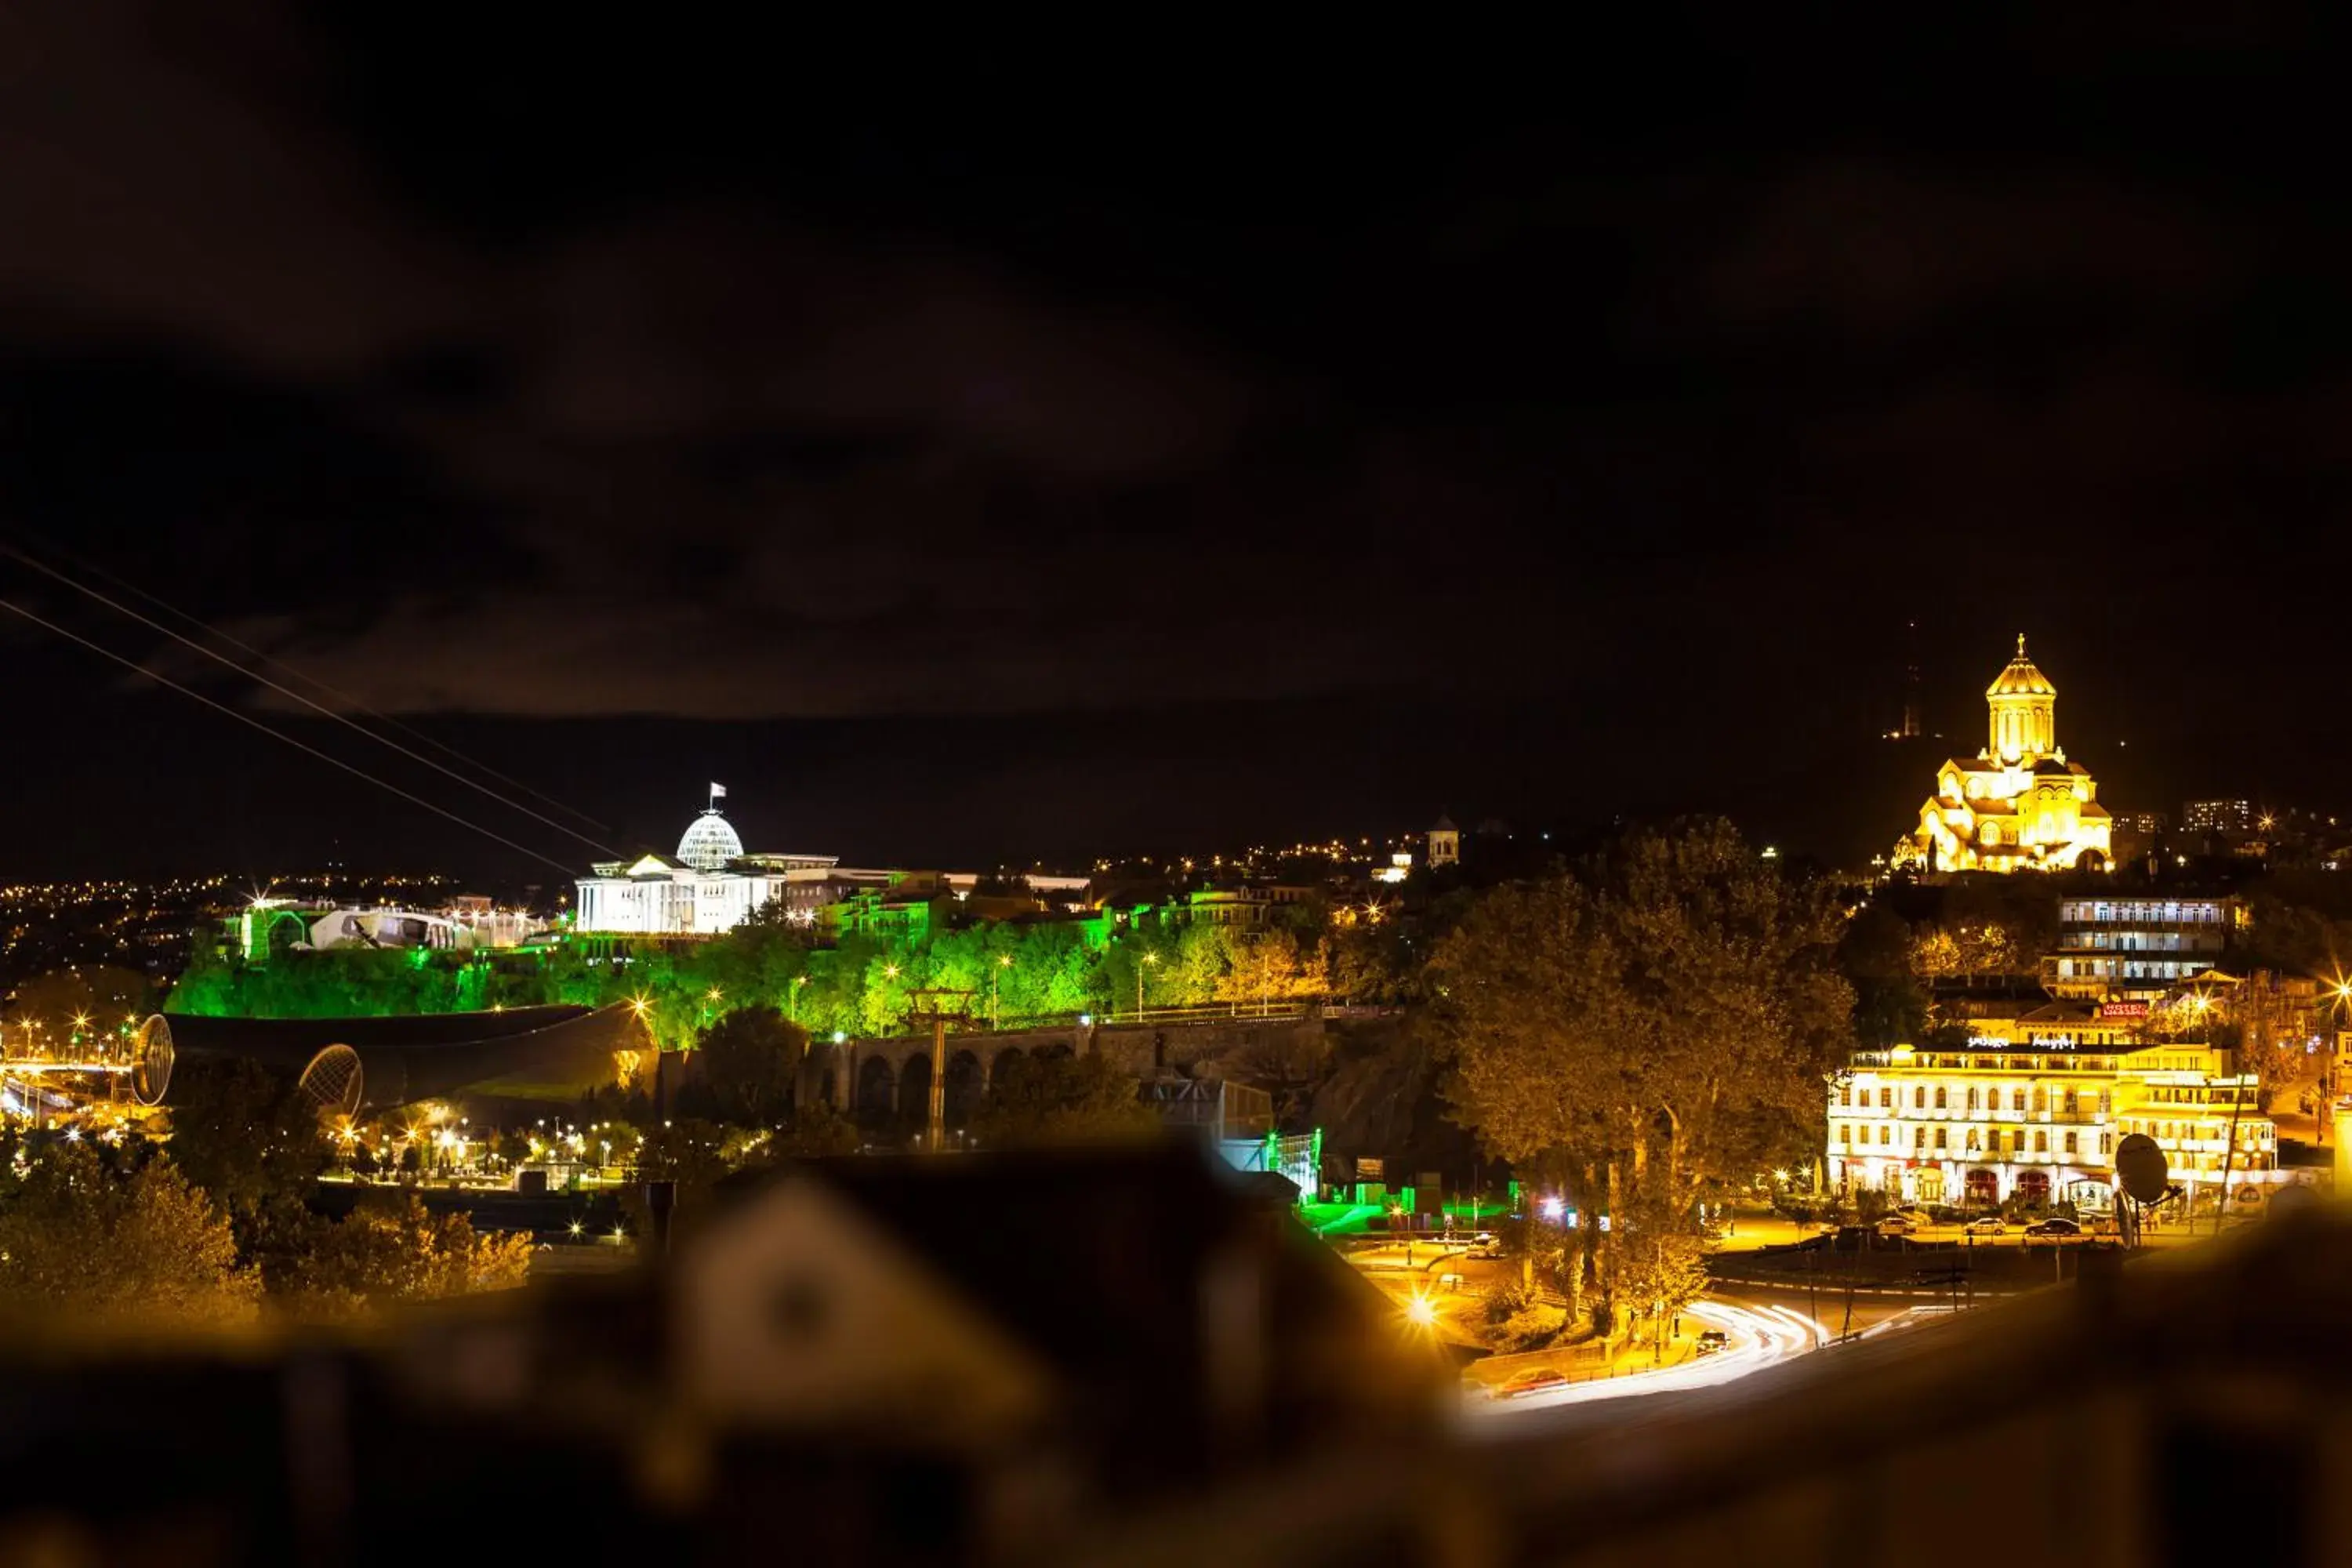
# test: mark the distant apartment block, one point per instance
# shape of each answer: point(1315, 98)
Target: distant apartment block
point(2217, 816)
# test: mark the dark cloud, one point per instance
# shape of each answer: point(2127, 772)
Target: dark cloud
point(1566, 422)
point(1876, 252)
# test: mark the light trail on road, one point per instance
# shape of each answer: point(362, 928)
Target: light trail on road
point(1761, 1337)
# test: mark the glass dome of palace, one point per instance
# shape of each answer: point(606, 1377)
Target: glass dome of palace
point(710, 842)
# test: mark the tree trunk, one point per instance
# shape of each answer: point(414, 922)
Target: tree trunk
point(1610, 1248)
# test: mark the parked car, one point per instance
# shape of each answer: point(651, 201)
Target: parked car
point(1712, 1341)
point(1897, 1225)
point(1535, 1380)
point(1991, 1225)
point(2054, 1229)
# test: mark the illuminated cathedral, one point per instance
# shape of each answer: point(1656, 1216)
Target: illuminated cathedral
point(2019, 804)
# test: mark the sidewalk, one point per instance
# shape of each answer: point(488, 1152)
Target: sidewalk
point(1580, 1364)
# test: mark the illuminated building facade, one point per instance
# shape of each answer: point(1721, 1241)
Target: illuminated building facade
point(2017, 805)
point(468, 924)
point(709, 886)
point(2137, 948)
point(2034, 1108)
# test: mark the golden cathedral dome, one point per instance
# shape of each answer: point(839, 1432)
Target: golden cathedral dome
point(2021, 679)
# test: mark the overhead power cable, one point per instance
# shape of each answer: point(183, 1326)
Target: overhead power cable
point(247, 719)
point(18, 555)
point(349, 701)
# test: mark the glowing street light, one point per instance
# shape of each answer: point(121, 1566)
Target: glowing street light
point(1148, 961)
point(1003, 963)
point(1421, 1313)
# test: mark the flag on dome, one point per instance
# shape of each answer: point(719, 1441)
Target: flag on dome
point(719, 792)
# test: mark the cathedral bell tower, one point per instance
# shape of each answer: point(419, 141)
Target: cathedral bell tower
point(2024, 704)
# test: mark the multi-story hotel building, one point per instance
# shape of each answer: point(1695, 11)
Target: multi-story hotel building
point(2137, 948)
point(2034, 1107)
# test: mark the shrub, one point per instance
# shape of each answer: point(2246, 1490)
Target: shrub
point(1531, 1328)
point(1505, 1300)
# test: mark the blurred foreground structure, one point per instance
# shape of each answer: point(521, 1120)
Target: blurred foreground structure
point(1135, 1358)
point(2189, 1408)
point(864, 1360)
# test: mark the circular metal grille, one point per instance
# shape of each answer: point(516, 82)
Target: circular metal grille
point(332, 1081)
point(151, 1071)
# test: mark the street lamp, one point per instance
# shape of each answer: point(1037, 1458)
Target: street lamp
point(1003, 963)
point(792, 997)
point(1149, 960)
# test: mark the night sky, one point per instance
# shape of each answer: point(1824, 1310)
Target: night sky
point(970, 449)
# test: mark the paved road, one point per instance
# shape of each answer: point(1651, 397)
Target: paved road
point(1759, 1337)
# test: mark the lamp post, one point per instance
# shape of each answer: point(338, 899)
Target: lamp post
point(1003, 963)
point(792, 997)
point(1150, 960)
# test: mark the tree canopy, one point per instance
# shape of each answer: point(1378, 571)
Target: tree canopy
point(101, 1240)
point(388, 1250)
point(244, 1133)
point(1659, 1021)
point(1045, 1100)
point(749, 1059)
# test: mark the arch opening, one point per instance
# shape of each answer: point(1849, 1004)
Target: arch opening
point(876, 1093)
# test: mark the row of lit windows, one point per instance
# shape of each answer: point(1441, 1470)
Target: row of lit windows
point(2088, 913)
point(2064, 1101)
point(1947, 1061)
point(1976, 1140)
point(2250, 1134)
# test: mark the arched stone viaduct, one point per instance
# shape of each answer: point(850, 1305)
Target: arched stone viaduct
point(886, 1084)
